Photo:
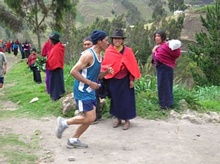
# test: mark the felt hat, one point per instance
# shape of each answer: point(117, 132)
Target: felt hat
point(98, 35)
point(118, 33)
point(55, 36)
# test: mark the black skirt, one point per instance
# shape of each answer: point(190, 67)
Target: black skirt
point(122, 98)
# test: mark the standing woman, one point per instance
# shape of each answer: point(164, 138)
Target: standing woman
point(45, 51)
point(55, 64)
point(121, 83)
point(164, 59)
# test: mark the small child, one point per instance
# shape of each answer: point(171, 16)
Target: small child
point(32, 64)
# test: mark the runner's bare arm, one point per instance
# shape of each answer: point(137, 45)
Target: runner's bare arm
point(85, 60)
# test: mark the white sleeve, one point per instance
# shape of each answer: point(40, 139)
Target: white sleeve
point(4, 57)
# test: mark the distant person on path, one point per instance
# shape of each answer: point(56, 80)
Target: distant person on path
point(32, 64)
point(8, 46)
point(45, 51)
point(121, 84)
point(164, 59)
point(3, 68)
point(85, 72)
point(55, 64)
point(27, 48)
point(21, 47)
point(1, 49)
point(15, 47)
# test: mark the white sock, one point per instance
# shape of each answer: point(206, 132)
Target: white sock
point(73, 140)
point(64, 123)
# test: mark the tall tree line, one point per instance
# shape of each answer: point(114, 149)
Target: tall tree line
point(205, 53)
point(34, 13)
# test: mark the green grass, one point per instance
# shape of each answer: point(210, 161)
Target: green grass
point(209, 97)
point(23, 89)
point(17, 151)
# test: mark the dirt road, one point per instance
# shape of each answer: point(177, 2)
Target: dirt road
point(146, 142)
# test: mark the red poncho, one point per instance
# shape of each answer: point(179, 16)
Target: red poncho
point(114, 59)
point(55, 58)
point(167, 56)
point(46, 48)
point(31, 59)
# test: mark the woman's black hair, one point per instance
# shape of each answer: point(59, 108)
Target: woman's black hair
point(162, 34)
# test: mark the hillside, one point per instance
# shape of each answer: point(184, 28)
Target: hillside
point(192, 24)
point(89, 10)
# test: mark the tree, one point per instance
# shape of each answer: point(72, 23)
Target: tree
point(106, 25)
point(69, 27)
point(34, 12)
point(206, 52)
point(176, 5)
point(133, 14)
point(158, 9)
point(138, 39)
point(10, 20)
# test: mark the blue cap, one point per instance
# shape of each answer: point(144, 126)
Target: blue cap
point(98, 35)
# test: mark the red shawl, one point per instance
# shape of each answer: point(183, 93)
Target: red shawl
point(46, 48)
point(167, 56)
point(114, 59)
point(55, 58)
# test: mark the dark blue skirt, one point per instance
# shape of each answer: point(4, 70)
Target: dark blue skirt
point(122, 98)
point(56, 84)
point(165, 85)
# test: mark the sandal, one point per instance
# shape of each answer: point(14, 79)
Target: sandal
point(116, 123)
point(126, 125)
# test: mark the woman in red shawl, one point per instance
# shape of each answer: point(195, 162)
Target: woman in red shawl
point(121, 82)
point(45, 51)
point(164, 59)
point(55, 64)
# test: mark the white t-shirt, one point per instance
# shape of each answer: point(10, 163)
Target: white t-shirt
point(3, 60)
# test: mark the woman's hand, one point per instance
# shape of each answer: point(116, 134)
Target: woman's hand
point(155, 47)
point(131, 84)
point(109, 70)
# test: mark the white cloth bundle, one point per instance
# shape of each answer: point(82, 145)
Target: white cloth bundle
point(174, 44)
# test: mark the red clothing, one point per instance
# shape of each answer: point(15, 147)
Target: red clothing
point(1, 49)
point(8, 45)
point(32, 59)
point(116, 60)
point(17, 41)
point(166, 56)
point(55, 58)
point(46, 48)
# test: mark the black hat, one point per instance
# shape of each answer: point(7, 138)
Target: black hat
point(34, 49)
point(55, 36)
point(118, 33)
